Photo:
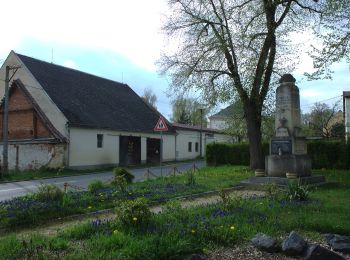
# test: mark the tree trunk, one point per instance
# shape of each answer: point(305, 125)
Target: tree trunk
point(253, 119)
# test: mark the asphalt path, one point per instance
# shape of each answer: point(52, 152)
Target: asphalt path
point(20, 188)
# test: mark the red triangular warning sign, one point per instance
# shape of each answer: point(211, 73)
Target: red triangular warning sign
point(161, 125)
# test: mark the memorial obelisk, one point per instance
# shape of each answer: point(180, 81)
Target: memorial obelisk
point(288, 149)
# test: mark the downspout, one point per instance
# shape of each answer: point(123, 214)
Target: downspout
point(68, 144)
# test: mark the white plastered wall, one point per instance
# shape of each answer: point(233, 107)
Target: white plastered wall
point(35, 156)
point(217, 123)
point(83, 151)
point(183, 138)
point(347, 118)
point(50, 109)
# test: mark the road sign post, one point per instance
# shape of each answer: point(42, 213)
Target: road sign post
point(160, 127)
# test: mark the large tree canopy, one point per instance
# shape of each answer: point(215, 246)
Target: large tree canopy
point(228, 48)
point(334, 32)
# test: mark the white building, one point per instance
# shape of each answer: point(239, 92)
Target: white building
point(60, 117)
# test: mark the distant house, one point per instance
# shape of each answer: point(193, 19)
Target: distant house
point(60, 117)
point(220, 120)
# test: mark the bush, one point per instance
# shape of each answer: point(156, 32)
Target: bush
point(95, 185)
point(272, 190)
point(134, 213)
point(49, 192)
point(323, 154)
point(118, 171)
point(297, 191)
point(329, 154)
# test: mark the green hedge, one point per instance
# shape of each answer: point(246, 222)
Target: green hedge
point(324, 154)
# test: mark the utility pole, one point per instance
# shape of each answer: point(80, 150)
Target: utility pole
point(5, 117)
point(200, 136)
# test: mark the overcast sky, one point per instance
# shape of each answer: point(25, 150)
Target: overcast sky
point(119, 40)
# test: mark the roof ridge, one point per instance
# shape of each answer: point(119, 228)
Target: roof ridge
point(75, 70)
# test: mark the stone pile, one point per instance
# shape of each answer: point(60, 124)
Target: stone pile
point(295, 245)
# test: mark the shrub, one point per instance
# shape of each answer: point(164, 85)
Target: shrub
point(272, 191)
point(190, 178)
point(323, 154)
point(121, 184)
point(134, 213)
point(3, 215)
point(118, 171)
point(95, 185)
point(297, 191)
point(49, 192)
point(230, 201)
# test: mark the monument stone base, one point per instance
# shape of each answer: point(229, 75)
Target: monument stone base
point(279, 165)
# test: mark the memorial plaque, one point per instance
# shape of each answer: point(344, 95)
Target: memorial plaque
point(281, 147)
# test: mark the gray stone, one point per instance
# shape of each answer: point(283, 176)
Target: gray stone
point(287, 78)
point(338, 242)
point(265, 242)
point(196, 257)
point(294, 244)
point(279, 165)
point(317, 252)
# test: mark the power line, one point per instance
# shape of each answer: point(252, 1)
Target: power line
point(319, 101)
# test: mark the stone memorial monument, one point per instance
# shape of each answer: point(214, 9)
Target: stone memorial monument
point(288, 149)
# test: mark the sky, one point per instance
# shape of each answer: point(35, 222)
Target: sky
point(119, 40)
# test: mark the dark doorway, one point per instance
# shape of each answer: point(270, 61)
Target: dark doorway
point(153, 150)
point(129, 150)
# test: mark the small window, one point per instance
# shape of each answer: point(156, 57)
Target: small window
point(196, 147)
point(99, 141)
point(190, 146)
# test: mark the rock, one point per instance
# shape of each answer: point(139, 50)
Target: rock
point(339, 243)
point(317, 252)
point(293, 244)
point(265, 242)
point(196, 257)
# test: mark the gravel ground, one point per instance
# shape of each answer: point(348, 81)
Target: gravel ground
point(249, 252)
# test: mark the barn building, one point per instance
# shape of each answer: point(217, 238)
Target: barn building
point(61, 117)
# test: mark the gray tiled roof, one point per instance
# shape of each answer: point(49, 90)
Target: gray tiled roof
point(93, 102)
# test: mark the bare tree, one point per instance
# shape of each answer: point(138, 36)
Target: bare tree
point(323, 118)
point(149, 97)
point(230, 48)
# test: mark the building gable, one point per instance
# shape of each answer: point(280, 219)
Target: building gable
point(26, 121)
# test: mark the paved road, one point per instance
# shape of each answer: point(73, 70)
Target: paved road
point(15, 189)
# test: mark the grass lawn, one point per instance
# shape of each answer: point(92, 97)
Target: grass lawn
point(176, 233)
point(29, 210)
point(47, 173)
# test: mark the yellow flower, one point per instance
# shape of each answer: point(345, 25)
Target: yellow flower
point(134, 218)
point(232, 227)
point(90, 207)
point(115, 232)
point(193, 231)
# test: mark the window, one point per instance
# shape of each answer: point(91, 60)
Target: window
point(99, 141)
point(196, 147)
point(190, 146)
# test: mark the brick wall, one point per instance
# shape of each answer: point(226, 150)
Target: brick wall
point(24, 123)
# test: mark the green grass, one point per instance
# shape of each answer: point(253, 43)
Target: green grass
point(48, 173)
point(176, 233)
point(52, 173)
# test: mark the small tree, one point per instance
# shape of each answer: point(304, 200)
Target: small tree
point(188, 111)
point(149, 97)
